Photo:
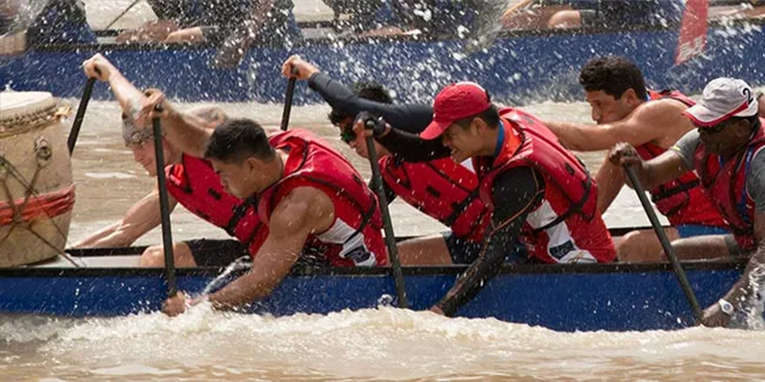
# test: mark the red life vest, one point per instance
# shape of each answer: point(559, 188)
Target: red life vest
point(443, 190)
point(196, 186)
point(681, 200)
point(565, 225)
point(725, 184)
point(355, 238)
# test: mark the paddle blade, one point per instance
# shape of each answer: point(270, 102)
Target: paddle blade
point(693, 32)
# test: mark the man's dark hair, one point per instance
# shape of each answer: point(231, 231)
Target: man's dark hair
point(613, 75)
point(490, 116)
point(370, 90)
point(237, 139)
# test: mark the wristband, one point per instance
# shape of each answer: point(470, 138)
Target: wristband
point(726, 307)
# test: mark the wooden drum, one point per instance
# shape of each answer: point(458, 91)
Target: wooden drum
point(36, 189)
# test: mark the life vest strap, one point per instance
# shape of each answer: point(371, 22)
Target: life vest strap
point(574, 209)
point(666, 193)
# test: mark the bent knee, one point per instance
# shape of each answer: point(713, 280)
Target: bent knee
point(639, 246)
point(564, 19)
point(153, 256)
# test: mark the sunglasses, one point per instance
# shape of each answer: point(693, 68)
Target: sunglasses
point(347, 135)
point(714, 129)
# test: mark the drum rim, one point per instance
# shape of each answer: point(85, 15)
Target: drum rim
point(37, 119)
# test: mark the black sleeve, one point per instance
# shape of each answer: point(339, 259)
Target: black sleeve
point(408, 117)
point(410, 147)
point(516, 192)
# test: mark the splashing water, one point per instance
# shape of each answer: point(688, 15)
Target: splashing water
point(371, 345)
point(226, 276)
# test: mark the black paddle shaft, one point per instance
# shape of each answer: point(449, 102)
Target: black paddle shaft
point(164, 208)
point(288, 102)
point(676, 266)
point(390, 237)
point(75, 132)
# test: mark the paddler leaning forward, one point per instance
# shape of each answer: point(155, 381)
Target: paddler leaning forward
point(533, 187)
point(191, 181)
point(441, 189)
point(314, 203)
point(726, 151)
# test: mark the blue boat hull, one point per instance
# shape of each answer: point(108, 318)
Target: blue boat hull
point(560, 297)
point(519, 68)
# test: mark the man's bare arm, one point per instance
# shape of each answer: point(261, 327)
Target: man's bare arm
point(610, 181)
point(665, 167)
point(139, 219)
point(187, 132)
point(648, 123)
point(303, 211)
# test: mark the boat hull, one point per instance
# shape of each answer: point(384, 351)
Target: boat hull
point(560, 297)
point(519, 68)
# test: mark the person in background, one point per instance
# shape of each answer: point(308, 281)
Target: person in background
point(363, 17)
point(618, 14)
point(215, 21)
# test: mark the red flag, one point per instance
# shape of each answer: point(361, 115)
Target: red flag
point(693, 32)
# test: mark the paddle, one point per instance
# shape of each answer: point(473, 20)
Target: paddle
point(390, 237)
point(164, 208)
point(288, 100)
point(75, 132)
point(133, 4)
point(676, 266)
point(693, 31)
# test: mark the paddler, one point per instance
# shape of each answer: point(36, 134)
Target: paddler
point(213, 21)
point(191, 181)
point(618, 14)
point(725, 150)
point(652, 122)
point(315, 204)
point(442, 189)
point(535, 190)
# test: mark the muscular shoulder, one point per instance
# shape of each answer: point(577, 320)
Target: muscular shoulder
point(303, 208)
point(665, 116)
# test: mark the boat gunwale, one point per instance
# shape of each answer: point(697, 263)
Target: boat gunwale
point(303, 271)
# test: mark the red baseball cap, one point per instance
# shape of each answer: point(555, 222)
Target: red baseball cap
point(456, 101)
